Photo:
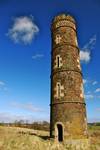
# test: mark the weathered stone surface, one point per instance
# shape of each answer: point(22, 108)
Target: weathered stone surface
point(67, 96)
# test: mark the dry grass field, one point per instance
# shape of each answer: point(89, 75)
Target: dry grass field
point(14, 138)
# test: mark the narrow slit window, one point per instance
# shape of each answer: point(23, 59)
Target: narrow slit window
point(58, 89)
point(58, 62)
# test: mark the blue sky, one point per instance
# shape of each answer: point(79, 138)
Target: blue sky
point(25, 46)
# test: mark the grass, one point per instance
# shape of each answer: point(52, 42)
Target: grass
point(94, 133)
point(13, 138)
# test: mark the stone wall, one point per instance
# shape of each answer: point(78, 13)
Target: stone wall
point(67, 94)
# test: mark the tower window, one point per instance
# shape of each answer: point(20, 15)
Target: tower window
point(60, 132)
point(58, 61)
point(58, 89)
point(58, 39)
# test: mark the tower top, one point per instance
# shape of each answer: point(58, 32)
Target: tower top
point(63, 20)
point(64, 17)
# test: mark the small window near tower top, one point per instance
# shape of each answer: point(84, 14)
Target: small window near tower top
point(58, 39)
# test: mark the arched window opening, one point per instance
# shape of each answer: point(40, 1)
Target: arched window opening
point(60, 132)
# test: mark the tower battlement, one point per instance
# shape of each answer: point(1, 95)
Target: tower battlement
point(63, 20)
point(62, 17)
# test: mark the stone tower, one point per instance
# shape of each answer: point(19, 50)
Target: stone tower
point(68, 109)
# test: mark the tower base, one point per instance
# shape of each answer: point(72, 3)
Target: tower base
point(78, 144)
point(72, 144)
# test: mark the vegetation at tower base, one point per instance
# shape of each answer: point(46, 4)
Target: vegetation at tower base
point(15, 138)
point(68, 120)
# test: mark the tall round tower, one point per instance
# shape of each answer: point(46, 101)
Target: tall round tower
point(68, 110)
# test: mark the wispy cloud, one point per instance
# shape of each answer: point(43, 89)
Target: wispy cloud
point(23, 30)
point(89, 96)
point(94, 83)
point(3, 86)
point(92, 93)
point(85, 53)
point(9, 117)
point(26, 106)
point(84, 81)
point(89, 81)
point(89, 92)
point(97, 90)
point(90, 45)
point(93, 120)
point(2, 83)
point(37, 56)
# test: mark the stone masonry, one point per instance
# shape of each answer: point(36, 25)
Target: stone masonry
point(68, 109)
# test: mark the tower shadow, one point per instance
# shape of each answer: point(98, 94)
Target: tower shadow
point(44, 137)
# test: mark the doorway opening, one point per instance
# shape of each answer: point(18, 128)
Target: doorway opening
point(60, 132)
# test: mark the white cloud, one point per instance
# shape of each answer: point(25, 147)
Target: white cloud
point(37, 56)
point(2, 83)
point(85, 53)
point(94, 83)
point(3, 86)
point(84, 81)
point(89, 96)
point(89, 92)
point(90, 120)
point(23, 30)
point(85, 56)
point(27, 112)
point(26, 106)
point(10, 117)
point(97, 90)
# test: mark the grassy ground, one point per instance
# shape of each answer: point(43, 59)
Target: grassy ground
point(94, 132)
point(12, 138)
